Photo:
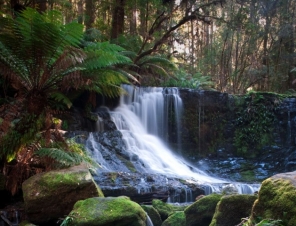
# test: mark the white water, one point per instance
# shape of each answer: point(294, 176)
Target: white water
point(140, 118)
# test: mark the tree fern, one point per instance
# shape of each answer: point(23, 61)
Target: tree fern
point(43, 59)
point(156, 66)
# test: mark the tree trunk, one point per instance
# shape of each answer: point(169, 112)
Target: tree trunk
point(80, 11)
point(133, 20)
point(89, 17)
point(117, 26)
point(41, 5)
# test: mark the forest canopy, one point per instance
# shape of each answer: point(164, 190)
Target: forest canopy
point(229, 45)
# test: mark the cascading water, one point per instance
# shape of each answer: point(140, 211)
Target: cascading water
point(140, 118)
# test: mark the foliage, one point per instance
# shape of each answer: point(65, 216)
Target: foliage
point(254, 123)
point(184, 80)
point(265, 222)
point(42, 61)
point(65, 155)
point(151, 69)
point(40, 57)
point(67, 221)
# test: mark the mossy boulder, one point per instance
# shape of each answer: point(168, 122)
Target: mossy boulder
point(50, 196)
point(153, 214)
point(110, 211)
point(232, 208)
point(201, 212)
point(165, 209)
point(175, 219)
point(277, 199)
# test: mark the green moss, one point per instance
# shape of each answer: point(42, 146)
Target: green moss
point(127, 163)
point(248, 176)
point(201, 212)
point(176, 219)
point(98, 211)
point(52, 182)
point(254, 121)
point(164, 209)
point(232, 208)
point(276, 200)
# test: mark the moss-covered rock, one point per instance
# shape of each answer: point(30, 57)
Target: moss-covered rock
point(277, 199)
point(176, 219)
point(110, 211)
point(201, 212)
point(232, 208)
point(153, 214)
point(165, 209)
point(50, 196)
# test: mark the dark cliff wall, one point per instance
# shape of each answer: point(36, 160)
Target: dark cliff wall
point(246, 137)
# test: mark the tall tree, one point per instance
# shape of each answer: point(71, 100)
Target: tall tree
point(118, 18)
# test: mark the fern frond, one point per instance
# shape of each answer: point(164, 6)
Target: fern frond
point(61, 158)
point(60, 97)
point(159, 60)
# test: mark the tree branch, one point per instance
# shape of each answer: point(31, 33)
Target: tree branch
point(194, 15)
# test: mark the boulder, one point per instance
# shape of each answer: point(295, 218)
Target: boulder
point(276, 199)
point(176, 219)
point(110, 211)
point(232, 208)
point(201, 212)
point(153, 214)
point(51, 195)
point(165, 209)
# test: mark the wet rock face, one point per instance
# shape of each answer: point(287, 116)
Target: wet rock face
point(212, 132)
point(143, 188)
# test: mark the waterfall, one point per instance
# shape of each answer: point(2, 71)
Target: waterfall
point(140, 118)
point(148, 221)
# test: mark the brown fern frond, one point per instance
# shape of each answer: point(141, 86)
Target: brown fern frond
point(22, 168)
point(72, 80)
point(10, 112)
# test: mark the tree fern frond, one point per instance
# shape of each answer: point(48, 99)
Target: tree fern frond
point(158, 69)
point(60, 97)
point(129, 74)
point(61, 157)
point(104, 54)
point(159, 60)
point(132, 55)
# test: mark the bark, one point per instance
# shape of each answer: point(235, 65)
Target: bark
point(80, 11)
point(89, 18)
point(117, 26)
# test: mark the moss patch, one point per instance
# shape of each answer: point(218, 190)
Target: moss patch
point(120, 211)
point(201, 212)
point(276, 200)
point(165, 209)
point(232, 208)
point(176, 219)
